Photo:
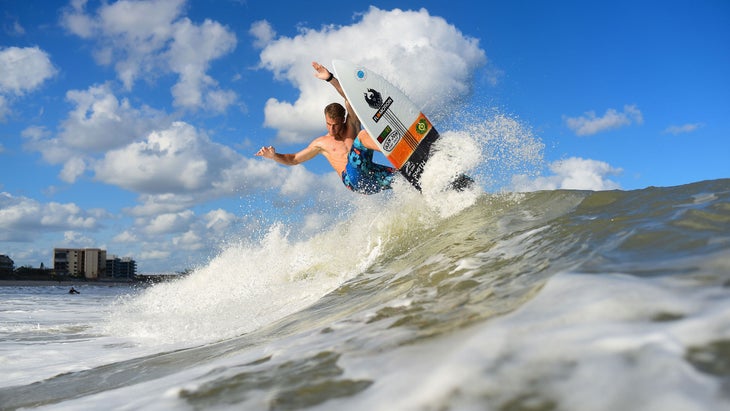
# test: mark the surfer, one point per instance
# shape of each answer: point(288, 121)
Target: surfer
point(348, 149)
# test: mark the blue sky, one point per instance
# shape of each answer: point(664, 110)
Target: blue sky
point(131, 125)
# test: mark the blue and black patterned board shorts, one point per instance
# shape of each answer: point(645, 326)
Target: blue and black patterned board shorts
point(363, 176)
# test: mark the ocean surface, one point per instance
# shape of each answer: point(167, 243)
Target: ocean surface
point(552, 300)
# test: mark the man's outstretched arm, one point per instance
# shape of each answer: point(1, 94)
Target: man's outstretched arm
point(289, 159)
point(322, 73)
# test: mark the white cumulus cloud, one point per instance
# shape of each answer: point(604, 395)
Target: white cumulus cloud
point(145, 38)
point(175, 159)
point(219, 220)
point(22, 70)
point(169, 223)
point(682, 129)
point(4, 108)
point(430, 59)
point(21, 218)
point(125, 236)
point(98, 122)
point(589, 124)
point(180, 166)
point(262, 33)
point(574, 173)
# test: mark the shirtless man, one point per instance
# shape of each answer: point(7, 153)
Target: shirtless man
point(350, 154)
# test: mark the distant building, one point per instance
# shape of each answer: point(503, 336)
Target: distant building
point(89, 263)
point(7, 265)
point(124, 267)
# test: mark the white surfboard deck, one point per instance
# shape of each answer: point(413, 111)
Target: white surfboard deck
point(403, 133)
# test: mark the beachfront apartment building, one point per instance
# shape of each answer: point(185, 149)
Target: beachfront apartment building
point(124, 267)
point(89, 263)
point(7, 265)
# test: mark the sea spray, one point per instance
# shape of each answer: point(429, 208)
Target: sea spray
point(507, 146)
point(245, 286)
point(255, 281)
point(489, 147)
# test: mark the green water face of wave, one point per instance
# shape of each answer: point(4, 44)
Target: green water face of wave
point(490, 258)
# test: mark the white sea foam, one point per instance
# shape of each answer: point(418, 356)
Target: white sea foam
point(586, 342)
point(248, 285)
point(239, 290)
point(55, 332)
point(453, 154)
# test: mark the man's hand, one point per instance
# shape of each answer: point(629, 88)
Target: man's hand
point(266, 152)
point(321, 71)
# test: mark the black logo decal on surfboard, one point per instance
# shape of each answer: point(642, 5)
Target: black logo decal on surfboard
point(373, 98)
point(383, 108)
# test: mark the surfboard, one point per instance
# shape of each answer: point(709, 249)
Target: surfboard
point(403, 133)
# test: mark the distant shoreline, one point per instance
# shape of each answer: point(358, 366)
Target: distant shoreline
point(67, 283)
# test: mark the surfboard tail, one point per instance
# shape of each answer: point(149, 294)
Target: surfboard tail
point(414, 165)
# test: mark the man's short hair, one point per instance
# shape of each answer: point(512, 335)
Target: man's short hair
point(335, 111)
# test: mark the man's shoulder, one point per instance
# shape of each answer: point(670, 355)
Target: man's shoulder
point(328, 143)
point(322, 142)
point(322, 139)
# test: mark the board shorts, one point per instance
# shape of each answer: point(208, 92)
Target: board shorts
point(363, 176)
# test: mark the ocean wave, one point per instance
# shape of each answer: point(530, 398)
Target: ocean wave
point(571, 300)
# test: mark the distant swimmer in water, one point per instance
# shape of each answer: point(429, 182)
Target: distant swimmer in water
point(348, 149)
point(73, 291)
